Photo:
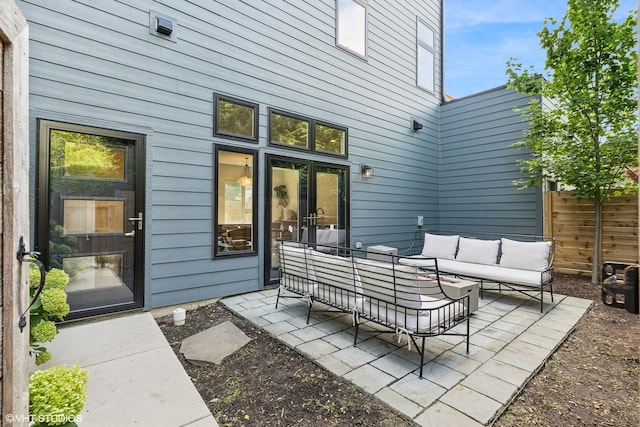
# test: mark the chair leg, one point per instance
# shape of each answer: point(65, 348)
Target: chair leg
point(355, 339)
point(421, 358)
point(278, 297)
point(468, 332)
point(309, 310)
point(541, 299)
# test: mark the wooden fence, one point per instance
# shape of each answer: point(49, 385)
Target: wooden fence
point(571, 222)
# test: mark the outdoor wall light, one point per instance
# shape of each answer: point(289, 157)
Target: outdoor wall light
point(164, 26)
point(417, 125)
point(366, 171)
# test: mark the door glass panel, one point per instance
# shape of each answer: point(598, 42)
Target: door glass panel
point(288, 205)
point(330, 206)
point(321, 218)
point(92, 217)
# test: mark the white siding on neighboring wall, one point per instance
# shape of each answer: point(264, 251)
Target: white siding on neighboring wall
point(96, 62)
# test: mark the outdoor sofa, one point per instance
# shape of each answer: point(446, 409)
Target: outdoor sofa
point(520, 263)
point(403, 299)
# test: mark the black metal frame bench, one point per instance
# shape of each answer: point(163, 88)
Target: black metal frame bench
point(404, 300)
point(518, 276)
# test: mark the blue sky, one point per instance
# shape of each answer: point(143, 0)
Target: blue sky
point(482, 35)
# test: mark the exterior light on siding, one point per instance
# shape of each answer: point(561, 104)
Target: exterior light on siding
point(366, 171)
point(164, 26)
point(417, 125)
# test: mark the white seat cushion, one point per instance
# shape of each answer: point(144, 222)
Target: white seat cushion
point(418, 261)
point(494, 273)
point(417, 321)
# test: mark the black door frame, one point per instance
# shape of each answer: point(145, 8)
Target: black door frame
point(41, 215)
point(312, 165)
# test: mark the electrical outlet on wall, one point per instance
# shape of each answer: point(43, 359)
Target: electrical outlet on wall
point(420, 221)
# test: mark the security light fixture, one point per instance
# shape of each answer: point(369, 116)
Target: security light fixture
point(164, 26)
point(245, 180)
point(366, 171)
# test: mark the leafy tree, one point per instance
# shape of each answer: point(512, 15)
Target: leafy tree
point(588, 136)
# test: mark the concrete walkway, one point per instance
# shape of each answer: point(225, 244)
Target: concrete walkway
point(134, 376)
point(511, 340)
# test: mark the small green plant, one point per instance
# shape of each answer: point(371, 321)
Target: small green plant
point(50, 305)
point(57, 395)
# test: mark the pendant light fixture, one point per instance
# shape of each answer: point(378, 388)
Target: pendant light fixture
point(245, 180)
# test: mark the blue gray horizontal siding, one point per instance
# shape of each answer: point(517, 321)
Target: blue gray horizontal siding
point(97, 61)
point(478, 166)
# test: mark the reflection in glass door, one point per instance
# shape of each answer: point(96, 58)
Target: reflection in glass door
point(308, 203)
point(90, 221)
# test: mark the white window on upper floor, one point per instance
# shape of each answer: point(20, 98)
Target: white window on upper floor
point(351, 26)
point(425, 57)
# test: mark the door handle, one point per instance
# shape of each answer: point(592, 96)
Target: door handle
point(137, 219)
point(132, 233)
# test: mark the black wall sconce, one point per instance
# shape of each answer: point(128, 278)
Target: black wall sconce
point(366, 171)
point(417, 125)
point(164, 26)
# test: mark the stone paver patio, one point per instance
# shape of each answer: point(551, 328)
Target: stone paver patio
point(511, 340)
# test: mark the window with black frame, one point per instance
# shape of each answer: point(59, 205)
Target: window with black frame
point(235, 202)
point(303, 133)
point(235, 119)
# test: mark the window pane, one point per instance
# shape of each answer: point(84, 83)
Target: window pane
point(425, 68)
point(330, 139)
point(93, 216)
point(289, 131)
point(352, 26)
point(425, 35)
point(88, 156)
point(235, 119)
point(235, 202)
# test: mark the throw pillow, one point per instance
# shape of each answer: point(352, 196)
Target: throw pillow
point(437, 246)
point(532, 256)
point(478, 251)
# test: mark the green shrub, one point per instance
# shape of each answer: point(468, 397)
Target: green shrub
point(44, 331)
point(57, 395)
point(54, 302)
point(42, 356)
point(56, 278)
point(51, 304)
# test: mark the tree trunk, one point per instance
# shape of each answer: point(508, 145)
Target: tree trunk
point(597, 244)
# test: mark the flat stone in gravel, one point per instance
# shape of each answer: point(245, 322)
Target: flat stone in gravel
point(214, 344)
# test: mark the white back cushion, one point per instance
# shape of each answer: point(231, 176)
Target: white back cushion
point(437, 246)
point(296, 260)
point(478, 251)
point(378, 277)
point(334, 270)
point(525, 255)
